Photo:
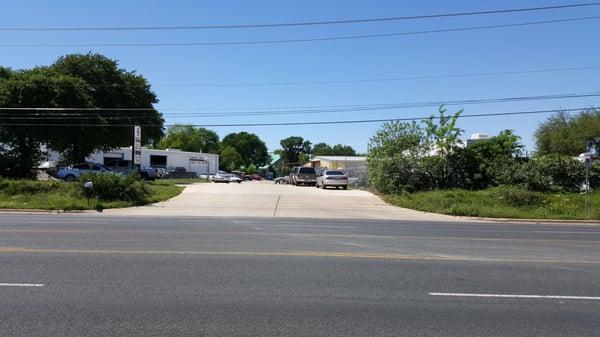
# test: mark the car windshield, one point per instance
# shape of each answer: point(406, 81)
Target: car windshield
point(334, 173)
point(307, 170)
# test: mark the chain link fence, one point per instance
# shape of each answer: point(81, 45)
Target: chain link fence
point(357, 177)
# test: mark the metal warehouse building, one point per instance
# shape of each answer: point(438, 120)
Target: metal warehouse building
point(201, 163)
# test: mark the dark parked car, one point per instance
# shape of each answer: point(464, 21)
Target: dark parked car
point(180, 172)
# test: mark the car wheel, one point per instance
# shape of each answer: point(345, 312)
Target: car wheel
point(345, 187)
point(70, 177)
point(324, 186)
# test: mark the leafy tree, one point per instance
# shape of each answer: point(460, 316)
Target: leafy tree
point(293, 147)
point(250, 147)
point(229, 159)
point(111, 87)
point(568, 135)
point(395, 150)
point(190, 138)
point(87, 81)
point(443, 135)
point(23, 132)
point(486, 162)
point(251, 169)
point(322, 149)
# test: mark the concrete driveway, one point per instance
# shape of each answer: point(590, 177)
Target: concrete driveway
point(265, 199)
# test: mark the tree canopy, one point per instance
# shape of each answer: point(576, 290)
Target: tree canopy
point(323, 149)
point(250, 147)
point(90, 81)
point(190, 138)
point(293, 147)
point(569, 135)
point(229, 159)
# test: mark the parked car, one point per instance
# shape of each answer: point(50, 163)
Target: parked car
point(151, 173)
point(73, 172)
point(241, 175)
point(305, 176)
point(292, 176)
point(180, 172)
point(221, 177)
point(334, 178)
point(234, 178)
point(256, 176)
point(282, 180)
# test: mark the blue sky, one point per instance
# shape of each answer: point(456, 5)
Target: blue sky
point(562, 45)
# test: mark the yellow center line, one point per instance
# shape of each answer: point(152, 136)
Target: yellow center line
point(322, 235)
point(358, 255)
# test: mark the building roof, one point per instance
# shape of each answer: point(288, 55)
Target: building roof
point(274, 157)
point(339, 158)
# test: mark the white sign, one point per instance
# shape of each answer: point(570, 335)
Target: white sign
point(137, 145)
point(197, 160)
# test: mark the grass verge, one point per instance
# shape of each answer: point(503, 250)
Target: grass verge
point(502, 202)
point(59, 195)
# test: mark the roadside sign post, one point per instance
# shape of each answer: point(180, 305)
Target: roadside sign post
point(588, 165)
point(136, 149)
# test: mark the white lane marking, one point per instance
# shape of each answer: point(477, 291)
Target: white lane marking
point(518, 296)
point(22, 284)
point(566, 232)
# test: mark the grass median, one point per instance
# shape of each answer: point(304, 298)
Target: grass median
point(502, 202)
point(60, 195)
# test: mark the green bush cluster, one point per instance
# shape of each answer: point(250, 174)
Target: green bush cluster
point(116, 187)
point(489, 163)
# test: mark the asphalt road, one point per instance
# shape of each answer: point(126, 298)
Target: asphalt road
point(89, 275)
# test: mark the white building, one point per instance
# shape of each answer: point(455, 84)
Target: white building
point(201, 163)
point(477, 137)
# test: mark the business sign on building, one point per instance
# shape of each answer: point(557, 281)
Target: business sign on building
point(137, 145)
point(197, 160)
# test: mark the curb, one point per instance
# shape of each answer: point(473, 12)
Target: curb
point(38, 211)
point(534, 221)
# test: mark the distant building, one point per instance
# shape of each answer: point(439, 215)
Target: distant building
point(120, 159)
point(338, 162)
point(477, 137)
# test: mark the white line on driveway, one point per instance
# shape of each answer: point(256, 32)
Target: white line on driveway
point(21, 285)
point(518, 296)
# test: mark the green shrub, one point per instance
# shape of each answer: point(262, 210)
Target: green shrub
point(562, 204)
point(515, 196)
point(116, 187)
point(550, 173)
point(463, 210)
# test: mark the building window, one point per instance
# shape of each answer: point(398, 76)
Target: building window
point(158, 161)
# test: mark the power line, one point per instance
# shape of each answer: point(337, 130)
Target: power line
point(361, 121)
point(388, 79)
point(58, 111)
point(318, 39)
point(307, 23)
